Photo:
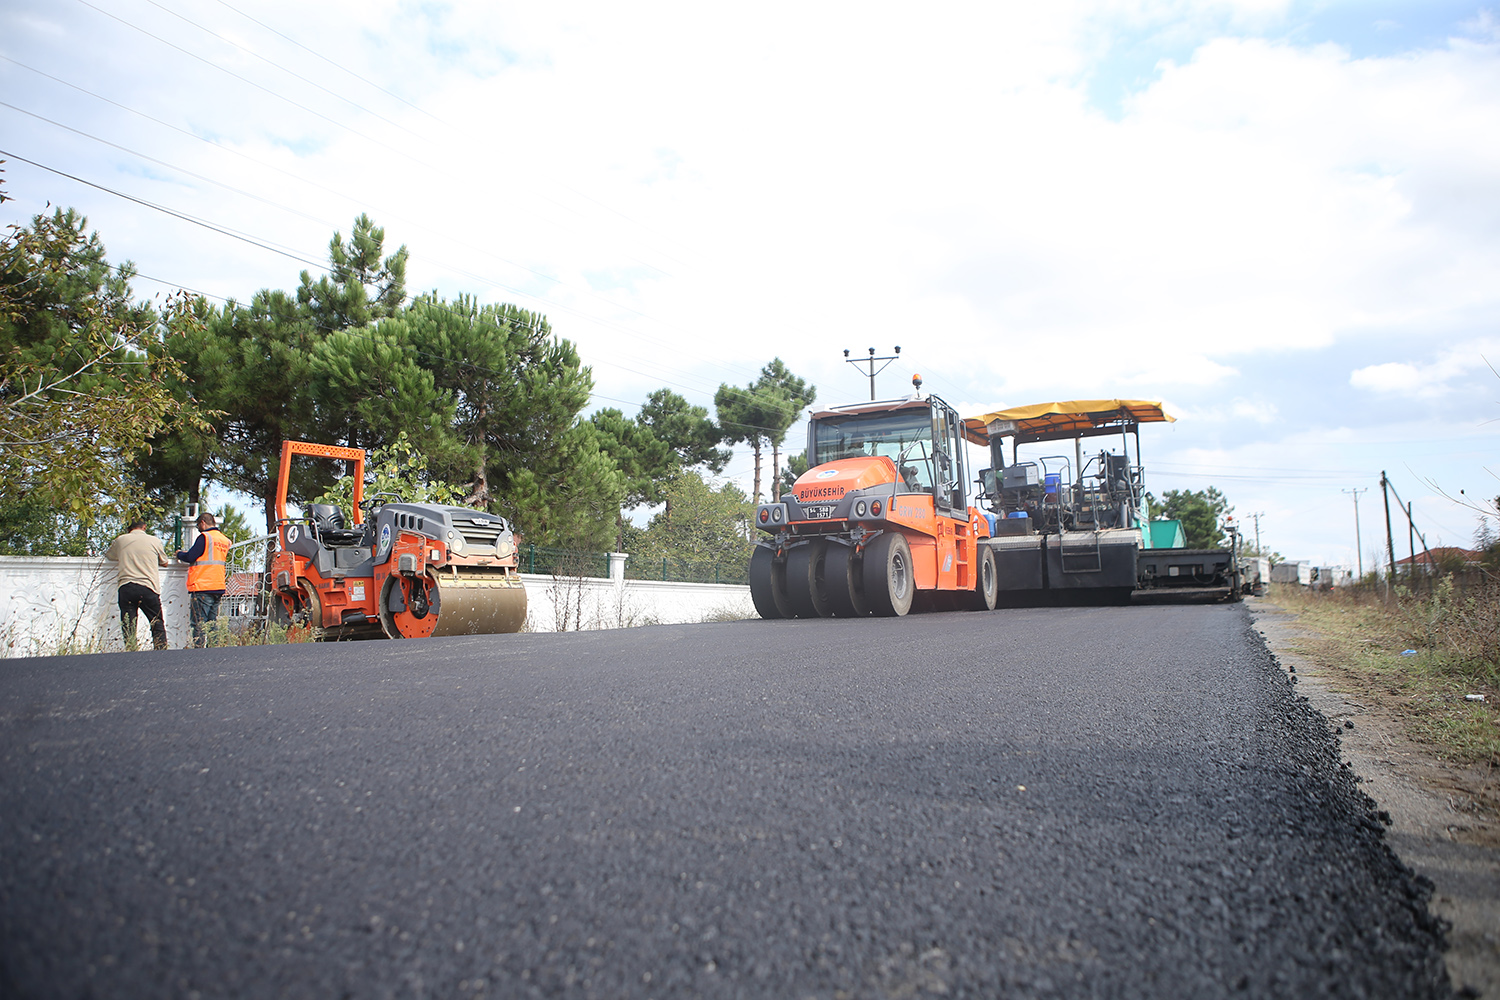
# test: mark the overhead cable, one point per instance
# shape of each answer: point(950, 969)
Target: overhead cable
point(212, 227)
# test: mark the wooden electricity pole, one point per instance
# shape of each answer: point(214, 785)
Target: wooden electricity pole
point(1390, 544)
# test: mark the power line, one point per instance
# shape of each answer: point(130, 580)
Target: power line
point(268, 245)
point(212, 227)
point(270, 62)
point(451, 268)
point(370, 330)
point(267, 90)
point(335, 65)
point(170, 166)
point(337, 124)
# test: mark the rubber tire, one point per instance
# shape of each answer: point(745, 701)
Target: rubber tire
point(844, 578)
point(987, 584)
point(768, 584)
point(890, 583)
point(806, 593)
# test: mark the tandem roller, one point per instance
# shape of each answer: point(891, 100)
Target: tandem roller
point(411, 571)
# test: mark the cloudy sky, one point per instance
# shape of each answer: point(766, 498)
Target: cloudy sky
point(1282, 218)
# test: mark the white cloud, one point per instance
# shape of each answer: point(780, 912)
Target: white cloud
point(688, 190)
point(1430, 380)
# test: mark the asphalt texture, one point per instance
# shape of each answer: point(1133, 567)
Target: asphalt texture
point(1112, 802)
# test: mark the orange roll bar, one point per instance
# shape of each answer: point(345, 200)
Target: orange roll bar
point(290, 448)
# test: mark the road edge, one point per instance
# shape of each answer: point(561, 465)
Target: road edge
point(1465, 877)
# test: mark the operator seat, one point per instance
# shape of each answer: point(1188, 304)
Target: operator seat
point(328, 521)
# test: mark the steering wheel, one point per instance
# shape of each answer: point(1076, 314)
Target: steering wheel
point(373, 500)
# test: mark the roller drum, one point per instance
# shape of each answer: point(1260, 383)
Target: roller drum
point(464, 604)
point(480, 605)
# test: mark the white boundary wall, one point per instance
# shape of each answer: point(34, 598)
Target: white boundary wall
point(51, 604)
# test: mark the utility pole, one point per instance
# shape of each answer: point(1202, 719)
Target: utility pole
point(1256, 518)
point(1390, 544)
point(1411, 540)
point(870, 361)
point(1358, 551)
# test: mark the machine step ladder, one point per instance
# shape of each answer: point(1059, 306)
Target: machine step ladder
point(1081, 556)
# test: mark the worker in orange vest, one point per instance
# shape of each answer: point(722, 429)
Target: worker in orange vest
point(208, 574)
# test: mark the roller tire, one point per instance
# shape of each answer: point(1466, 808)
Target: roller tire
point(768, 584)
point(987, 581)
point(806, 593)
point(844, 577)
point(890, 583)
point(309, 614)
point(397, 619)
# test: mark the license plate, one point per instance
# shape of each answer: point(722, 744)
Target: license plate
point(819, 512)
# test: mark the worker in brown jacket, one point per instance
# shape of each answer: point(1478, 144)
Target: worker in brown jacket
point(139, 554)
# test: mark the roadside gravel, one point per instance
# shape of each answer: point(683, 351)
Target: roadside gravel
point(1436, 827)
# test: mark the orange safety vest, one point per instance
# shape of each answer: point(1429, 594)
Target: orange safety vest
point(211, 571)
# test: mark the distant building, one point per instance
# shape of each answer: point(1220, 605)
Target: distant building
point(1299, 571)
point(1447, 558)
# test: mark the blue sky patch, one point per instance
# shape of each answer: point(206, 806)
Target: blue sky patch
point(1365, 28)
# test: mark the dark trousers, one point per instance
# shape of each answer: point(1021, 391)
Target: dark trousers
point(135, 598)
point(202, 609)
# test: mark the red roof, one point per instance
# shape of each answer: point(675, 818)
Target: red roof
point(1446, 553)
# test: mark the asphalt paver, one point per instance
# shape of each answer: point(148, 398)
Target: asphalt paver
point(1111, 802)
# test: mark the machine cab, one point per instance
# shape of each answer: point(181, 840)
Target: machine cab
point(922, 439)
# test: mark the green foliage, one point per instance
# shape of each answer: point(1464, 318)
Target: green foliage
point(265, 367)
point(397, 468)
point(760, 414)
point(796, 465)
point(706, 524)
point(686, 430)
point(569, 497)
point(668, 436)
point(1201, 512)
point(643, 458)
point(515, 437)
point(84, 376)
point(369, 385)
point(233, 523)
point(29, 527)
point(486, 393)
point(360, 287)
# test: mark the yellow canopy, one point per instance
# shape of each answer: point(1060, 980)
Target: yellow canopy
point(1071, 418)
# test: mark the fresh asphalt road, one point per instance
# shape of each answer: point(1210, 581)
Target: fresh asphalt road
point(1053, 802)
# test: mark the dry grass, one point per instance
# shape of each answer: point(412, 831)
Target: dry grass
point(1419, 657)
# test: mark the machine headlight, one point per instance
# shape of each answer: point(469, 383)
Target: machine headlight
point(504, 547)
point(776, 514)
point(875, 508)
point(765, 514)
point(859, 509)
point(456, 543)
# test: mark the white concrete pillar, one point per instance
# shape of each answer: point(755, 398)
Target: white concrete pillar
point(617, 568)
